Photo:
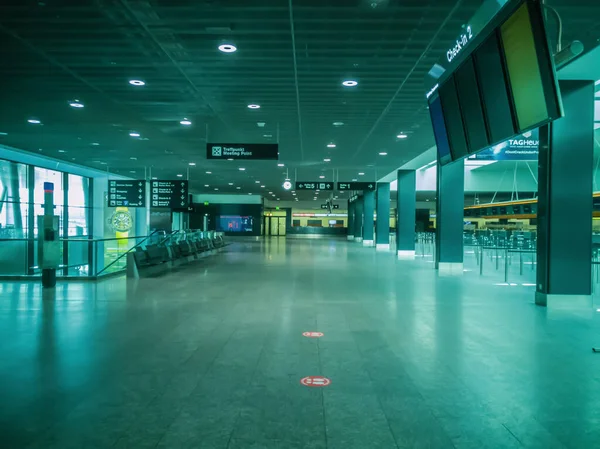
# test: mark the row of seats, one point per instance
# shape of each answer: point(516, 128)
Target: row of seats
point(167, 253)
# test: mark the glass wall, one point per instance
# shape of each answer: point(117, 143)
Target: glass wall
point(22, 200)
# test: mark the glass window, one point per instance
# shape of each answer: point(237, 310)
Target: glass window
point(14, 196)
point(42, 175)
point(79, 209)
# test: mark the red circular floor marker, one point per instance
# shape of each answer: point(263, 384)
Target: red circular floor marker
point(315, 381)
point(313, 334)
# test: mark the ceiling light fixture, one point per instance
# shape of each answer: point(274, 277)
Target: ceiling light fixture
point(206, 185)
point(383, 153)
point(350, 83)
point(326, 160)
point(209, 173)
point(253, 106)
point(227, 48)
point(354, 180)
point(242, 169)
point(61, 151)
point(338, 123)
point(179, 175)
point(192, 164)
point(256, 182)
point(95, 144)
point(231, 183)
point(321, 177)
point(361, 174)
point(239, 188)
point(280, 165)
point(401, 136)
point(331, 145)
point(154, 177)
point(134, 134)
point(137, 83)
point(34, 121)
point(262, 187)
point(186, 122)
point(287, 185)
point(76, 104)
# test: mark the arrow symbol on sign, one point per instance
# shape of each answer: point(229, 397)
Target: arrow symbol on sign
point(182, 197)
point(182, 203)
point(370, 186)
point(140, 197)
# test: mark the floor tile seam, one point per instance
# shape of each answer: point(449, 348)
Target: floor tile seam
point(372, 382)
point(250, 381)
point(322, 392)
point(208, 367)
point(438, 416)
point(424, 398)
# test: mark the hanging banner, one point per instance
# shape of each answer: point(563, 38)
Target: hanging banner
point(524, 147)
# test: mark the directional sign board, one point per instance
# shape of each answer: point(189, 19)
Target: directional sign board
point(333, 206)
point(126, 193)
point(256, 151)
point(172, 194)
point(369, 186)
point(314, 185)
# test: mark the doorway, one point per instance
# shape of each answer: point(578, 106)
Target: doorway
point(275, 226)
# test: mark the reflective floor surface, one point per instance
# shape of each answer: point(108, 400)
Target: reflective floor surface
point(212, 356)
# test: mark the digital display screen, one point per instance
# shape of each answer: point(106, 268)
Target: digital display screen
point(439, 131)
point(234, 223)
point(517, 209)
point(470, 105)
point(494, 94)
point(524, 70)
point(453, 118)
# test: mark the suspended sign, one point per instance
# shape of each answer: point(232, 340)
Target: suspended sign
point(524, 147)
point(255, 151)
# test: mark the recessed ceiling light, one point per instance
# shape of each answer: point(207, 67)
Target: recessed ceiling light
point(280, 165)
point(34, 121)
point(354, 180)
point(338, 123)
point(192, 164)
point(216, 188)
point(239, 188)
point(401, 136)
point(262, 187)
point(350, 83)
point(261, 124)
point(321, 177)
point(137, 83)
point(76, 104)
point(293, 194)
point(241, 169)
point(61, 151)
point(134, 134)
point(154, 177)
point(268, 135)
point(229, 159)
point(249, 194)
point(133, 158)
point(331, 145)
point(132, 171)
point(206, 185)
point(270, 193)
point(179, 175)
point(95, 144)
point(256, 182)
point(186, 122)
point(209, 173)
point(361, 174)
point(231, 183)
point(3, 134)
point(227, 48)
point(326, 160)
point(383, 153)
point(253, 106)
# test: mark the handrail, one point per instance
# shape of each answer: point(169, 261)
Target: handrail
point(24, 239)
point(132, 248)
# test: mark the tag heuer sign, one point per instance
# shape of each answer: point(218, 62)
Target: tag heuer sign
point(255, 151)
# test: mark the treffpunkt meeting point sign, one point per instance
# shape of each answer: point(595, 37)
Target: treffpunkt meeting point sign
point(251, 151)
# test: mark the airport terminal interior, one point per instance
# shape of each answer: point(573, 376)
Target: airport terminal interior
point(296, 224)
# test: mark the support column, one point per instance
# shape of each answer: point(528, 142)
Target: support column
point(450, 218)
point(351, 220)
point(368, 222)
point(407, 214)
point(565, 204)
point(358, 219)
point(382, 231)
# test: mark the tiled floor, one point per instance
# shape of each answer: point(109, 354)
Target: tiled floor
point(212, 357)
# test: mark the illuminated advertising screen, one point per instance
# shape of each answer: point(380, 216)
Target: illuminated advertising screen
point(234, 223)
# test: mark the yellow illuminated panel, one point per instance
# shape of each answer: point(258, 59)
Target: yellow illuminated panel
point(524, 70)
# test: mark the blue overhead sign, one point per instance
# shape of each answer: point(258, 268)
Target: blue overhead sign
point(524, 147)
